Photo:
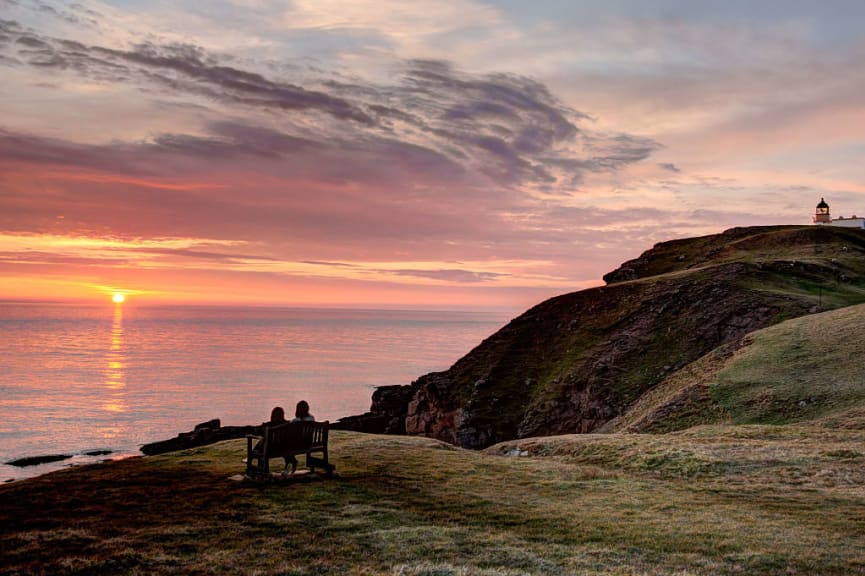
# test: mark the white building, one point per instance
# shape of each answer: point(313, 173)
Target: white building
point(822, 217)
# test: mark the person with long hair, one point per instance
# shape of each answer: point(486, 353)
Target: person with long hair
point(277, 416)
point(301, 412)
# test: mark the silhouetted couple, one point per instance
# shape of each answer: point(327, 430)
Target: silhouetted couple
point(301, 414)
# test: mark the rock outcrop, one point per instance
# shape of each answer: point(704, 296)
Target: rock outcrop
point(205, 433)
point(37, 460)
point(577, 361)
point(387, 415)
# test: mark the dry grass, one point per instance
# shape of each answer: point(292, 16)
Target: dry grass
point(739, 500)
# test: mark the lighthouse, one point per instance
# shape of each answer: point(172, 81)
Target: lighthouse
point(821, 216)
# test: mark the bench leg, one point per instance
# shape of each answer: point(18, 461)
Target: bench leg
point(314, 462)
point(257, 466)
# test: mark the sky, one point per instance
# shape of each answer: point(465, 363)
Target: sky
point(393, 153)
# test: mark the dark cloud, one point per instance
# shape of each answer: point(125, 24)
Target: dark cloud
point(506, 127)
point(432, 162)
point(193, 254)
point(10, 28)
point(34, 257)
point(53, 151)
point(501, 122)
point(187, 145)
point(243, 87)
point(31, 41)
point(328, 264)
point(77, 14)
point(450, 275)
point(231, 140)
point(179, 67)
point(670, 167)
point(611, 153)
point(257, 140)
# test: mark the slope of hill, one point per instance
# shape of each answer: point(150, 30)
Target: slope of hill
point(579, 362)
point(809, 369)
point(719, 501)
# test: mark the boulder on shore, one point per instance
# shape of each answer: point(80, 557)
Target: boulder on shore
point(386, 414)
point(36, 460)
point(205, 433)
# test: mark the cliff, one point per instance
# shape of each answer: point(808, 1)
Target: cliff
point(579, 361)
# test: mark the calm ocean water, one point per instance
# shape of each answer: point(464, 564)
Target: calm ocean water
point(75, 379)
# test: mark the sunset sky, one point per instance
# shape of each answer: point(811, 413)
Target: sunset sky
point(408, 153)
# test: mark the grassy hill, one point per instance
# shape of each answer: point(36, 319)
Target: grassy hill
point(579, 362)
point(809, 369)
point(712, 500)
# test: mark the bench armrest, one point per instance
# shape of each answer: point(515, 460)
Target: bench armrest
point(254, 436)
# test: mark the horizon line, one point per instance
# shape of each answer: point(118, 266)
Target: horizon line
point(297, 306)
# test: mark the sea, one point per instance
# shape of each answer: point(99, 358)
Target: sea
point(97, 381)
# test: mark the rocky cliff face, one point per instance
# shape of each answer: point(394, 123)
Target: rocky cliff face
point(577, 361)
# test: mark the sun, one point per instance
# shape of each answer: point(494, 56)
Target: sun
point(118, 298)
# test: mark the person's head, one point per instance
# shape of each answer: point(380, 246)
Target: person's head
point(302, 409)
point(277, 414)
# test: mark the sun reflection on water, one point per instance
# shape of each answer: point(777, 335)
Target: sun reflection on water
point(115, 373)
point(75, 379)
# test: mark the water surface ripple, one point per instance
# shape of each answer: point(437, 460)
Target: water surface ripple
point(75, 379)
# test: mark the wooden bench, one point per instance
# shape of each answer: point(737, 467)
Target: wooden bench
point(286, 440)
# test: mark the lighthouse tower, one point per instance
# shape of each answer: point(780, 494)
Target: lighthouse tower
point(821, 216)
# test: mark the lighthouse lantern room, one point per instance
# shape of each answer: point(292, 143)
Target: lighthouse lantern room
point(821, 216)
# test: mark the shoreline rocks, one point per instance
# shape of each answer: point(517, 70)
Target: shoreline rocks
point(49, 458)
point(387, 414)
point(36, 460)
point(205, 433)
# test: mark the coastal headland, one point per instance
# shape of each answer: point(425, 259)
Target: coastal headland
point(586, 361)
point(703, 413)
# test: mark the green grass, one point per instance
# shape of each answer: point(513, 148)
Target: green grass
point(728, 500)
point(824, 293)
point(808, 369)
point(801, 370)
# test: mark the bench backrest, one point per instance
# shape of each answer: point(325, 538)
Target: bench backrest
point(295, 436)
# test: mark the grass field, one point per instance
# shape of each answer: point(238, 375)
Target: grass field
point(712, 500)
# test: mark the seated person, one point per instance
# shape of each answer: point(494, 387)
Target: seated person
point(301, 414)
point(277, 416)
